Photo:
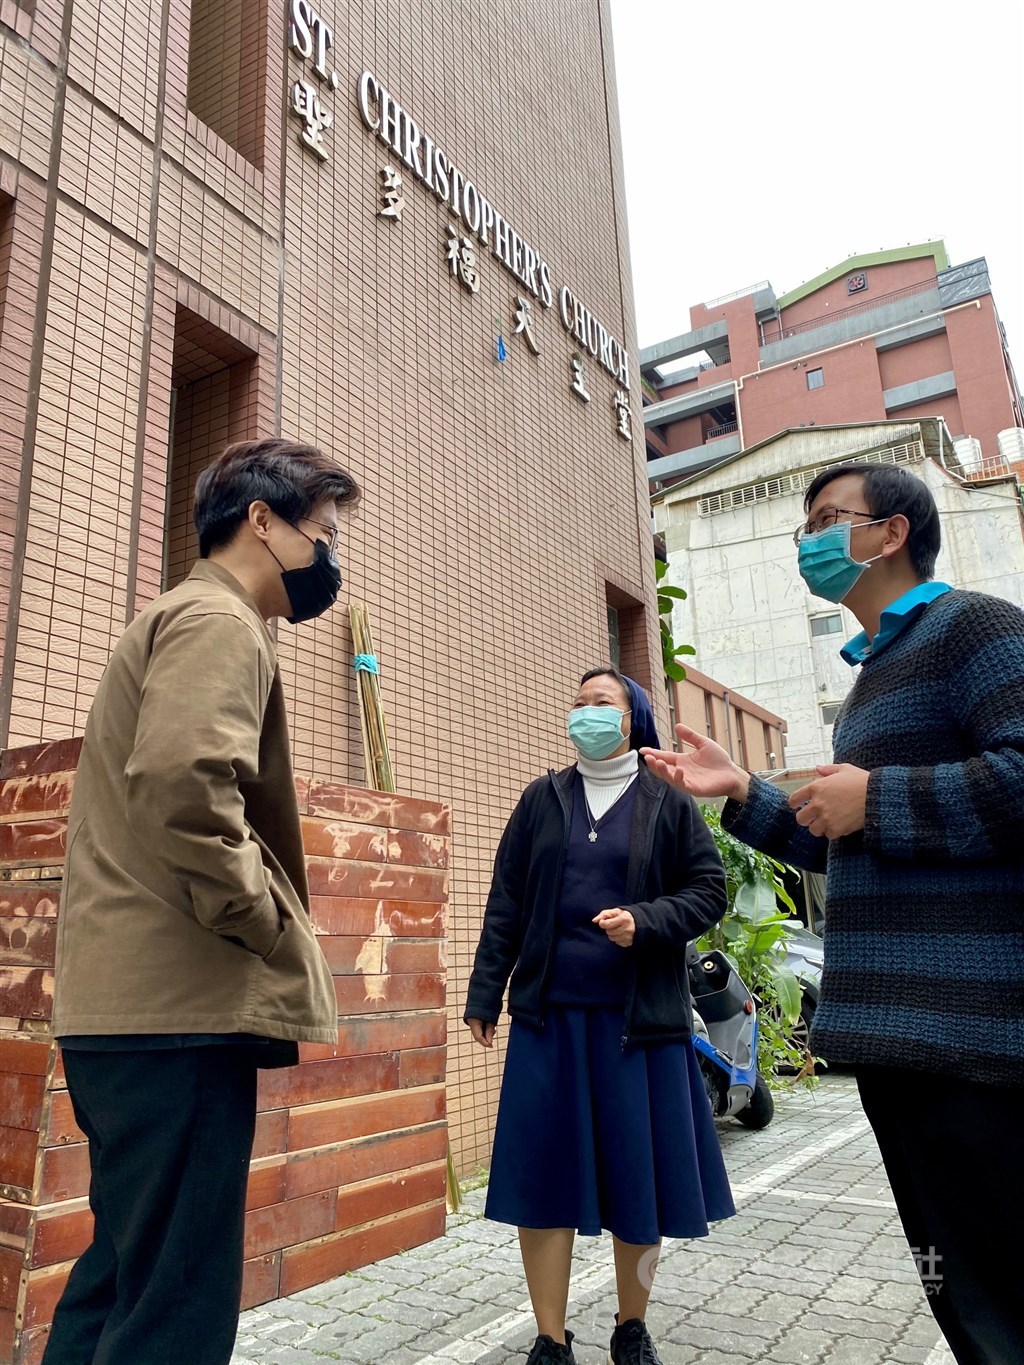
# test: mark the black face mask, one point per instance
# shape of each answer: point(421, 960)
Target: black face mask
point(312, 590)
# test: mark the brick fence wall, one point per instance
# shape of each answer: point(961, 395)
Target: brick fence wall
point(348, 1163)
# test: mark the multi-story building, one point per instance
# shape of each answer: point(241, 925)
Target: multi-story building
point(896, 334)
point(362, 226)
point(728, 536)
point(752, 736)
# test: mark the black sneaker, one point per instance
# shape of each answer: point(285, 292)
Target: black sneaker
point(632, 1344)
point(547, 1351)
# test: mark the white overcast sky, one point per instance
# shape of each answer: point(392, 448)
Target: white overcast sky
point(773, 140)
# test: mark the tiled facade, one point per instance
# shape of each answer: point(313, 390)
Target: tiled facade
point(179, 269)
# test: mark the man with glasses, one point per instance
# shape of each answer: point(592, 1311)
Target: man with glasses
point(919, 823)
point(186, 959)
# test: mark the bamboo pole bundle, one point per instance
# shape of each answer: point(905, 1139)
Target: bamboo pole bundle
point(371, 709)
point(379, 774)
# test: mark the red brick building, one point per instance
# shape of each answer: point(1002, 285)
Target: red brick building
point(897, 334)
point(397, 230)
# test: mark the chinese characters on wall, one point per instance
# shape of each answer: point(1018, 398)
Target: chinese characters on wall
point(462, 258)
point(480, 227)
point(391, 196)
point(579, 377)
point(524, 324)
point(312, 40)
point(478, 223)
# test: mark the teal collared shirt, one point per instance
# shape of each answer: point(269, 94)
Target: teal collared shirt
point(895, 618)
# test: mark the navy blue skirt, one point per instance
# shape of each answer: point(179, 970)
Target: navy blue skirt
point(592, 1136)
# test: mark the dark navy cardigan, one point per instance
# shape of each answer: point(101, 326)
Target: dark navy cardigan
point(676, 890)
point(924, 934)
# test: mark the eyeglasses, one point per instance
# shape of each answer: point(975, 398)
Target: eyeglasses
point(332, 531)
point(825, 518)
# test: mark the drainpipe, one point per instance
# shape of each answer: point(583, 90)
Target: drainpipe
point(739, 411)
point(943, 437)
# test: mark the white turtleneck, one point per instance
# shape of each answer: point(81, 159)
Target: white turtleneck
point(606, 779)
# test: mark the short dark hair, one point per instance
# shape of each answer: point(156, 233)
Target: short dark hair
point(607, 671)
point(891, 491)
point(289, 476)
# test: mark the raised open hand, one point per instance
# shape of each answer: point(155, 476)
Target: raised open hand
point(706, 770)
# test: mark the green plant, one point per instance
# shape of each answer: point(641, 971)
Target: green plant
point(475, 1181)
point(668, 595)
point(753, 936)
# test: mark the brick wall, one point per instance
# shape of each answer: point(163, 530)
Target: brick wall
point(349, 1159)
point(498, 510)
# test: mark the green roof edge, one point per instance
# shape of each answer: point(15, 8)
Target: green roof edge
point(899, 253)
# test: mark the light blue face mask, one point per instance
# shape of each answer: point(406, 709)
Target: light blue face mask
point(825, 562)
point(596, 731)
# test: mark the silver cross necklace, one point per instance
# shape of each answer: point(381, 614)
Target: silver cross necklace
point(592, 836)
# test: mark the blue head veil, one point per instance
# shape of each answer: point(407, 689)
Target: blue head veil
point(643, 731)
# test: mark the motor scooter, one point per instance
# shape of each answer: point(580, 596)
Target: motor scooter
point(725, 1040)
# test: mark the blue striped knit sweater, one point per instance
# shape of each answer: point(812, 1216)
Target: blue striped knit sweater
point(924, 936)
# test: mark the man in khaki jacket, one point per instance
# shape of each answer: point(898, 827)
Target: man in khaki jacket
point(186, 959)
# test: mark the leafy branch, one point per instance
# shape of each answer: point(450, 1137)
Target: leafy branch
point(668, 596)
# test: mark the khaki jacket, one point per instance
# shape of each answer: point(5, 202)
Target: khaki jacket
point(185, 907)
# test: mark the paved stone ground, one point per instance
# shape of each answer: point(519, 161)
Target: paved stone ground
point(813, 1268)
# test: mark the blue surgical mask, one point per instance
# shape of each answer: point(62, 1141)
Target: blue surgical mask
point(825, 562)
point(596, 731)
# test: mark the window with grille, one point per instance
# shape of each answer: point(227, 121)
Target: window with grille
point(614, 643)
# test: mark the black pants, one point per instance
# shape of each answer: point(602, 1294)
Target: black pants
point(170, 1133)
point(951, 1150)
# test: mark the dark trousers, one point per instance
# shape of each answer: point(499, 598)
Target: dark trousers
point(951, 1150)
point(170, 1133)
